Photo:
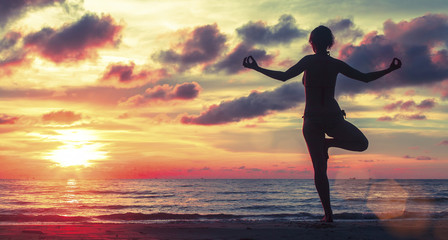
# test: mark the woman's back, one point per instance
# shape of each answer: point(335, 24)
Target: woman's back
point(319, 80)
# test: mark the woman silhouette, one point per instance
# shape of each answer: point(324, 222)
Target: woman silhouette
point(322, 113)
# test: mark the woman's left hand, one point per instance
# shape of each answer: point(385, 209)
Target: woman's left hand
point(395, 64)
point(249, 62)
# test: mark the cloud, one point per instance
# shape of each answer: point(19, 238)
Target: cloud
point(5, 119)
point(232, 63)
point(393, 106)
point(344, 30)
point(256, 104)
point(411, 105)
point(444, 142)
point(9, 40)
point(11, 54)
point(398, 117)
point(62, 117)
point(184, 91)
point(420, 158)
point(202, 45)
point(284, 32)
point(426, 104)
point(14, 9)
point(442, 89)
point(423, 158)
point(385, 119)
point(124, 75)
point(77, 41)
point(420, 43)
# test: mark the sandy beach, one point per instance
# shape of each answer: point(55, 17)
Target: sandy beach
point(396, 229)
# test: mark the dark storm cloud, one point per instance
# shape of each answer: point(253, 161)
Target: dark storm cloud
point(256, 104)
point(202, 45)
point(77, 41)
point(232, 63)
point(420, 44)
point(285, 31)
point(14, 9)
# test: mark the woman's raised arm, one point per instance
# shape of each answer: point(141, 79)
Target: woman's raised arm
point(368, 77)
point(298, 68)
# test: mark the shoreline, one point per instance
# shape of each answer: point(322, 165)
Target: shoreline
point(346, 229)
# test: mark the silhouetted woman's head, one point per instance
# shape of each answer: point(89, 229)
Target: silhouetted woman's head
point(321, 39)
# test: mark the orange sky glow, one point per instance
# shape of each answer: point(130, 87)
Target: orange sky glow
point(155, 89)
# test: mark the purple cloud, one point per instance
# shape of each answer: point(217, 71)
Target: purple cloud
point(232, 63)
point(344, 29)
point(285, 31)
point(256, 104)
point(77, 41)
point(13, 9)
point(416, 42)
point(426, 104)
point(202, 45)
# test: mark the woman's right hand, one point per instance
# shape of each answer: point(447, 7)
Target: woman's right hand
point(249, 62)
point(395, 64)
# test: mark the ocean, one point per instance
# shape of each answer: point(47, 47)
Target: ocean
point(154, 200)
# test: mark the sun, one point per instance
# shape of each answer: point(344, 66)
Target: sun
point(79, 148)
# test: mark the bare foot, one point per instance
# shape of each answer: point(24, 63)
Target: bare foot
point(327, 218)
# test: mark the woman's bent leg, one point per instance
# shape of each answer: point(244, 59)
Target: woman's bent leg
point(346, 136)
point(315, 137)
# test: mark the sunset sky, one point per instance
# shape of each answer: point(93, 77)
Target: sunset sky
point(156, 89)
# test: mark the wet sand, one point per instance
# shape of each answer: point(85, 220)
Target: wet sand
point(383, 230)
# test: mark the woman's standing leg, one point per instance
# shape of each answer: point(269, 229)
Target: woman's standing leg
point(315, 140)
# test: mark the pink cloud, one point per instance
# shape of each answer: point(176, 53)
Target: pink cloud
point(393, 106)
point(184, 91)
point(126, 76)
point(385, 118)
point(411, 105)
point(5, 119)
point(62, 116)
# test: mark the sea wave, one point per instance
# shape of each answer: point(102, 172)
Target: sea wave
point(132, 216)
